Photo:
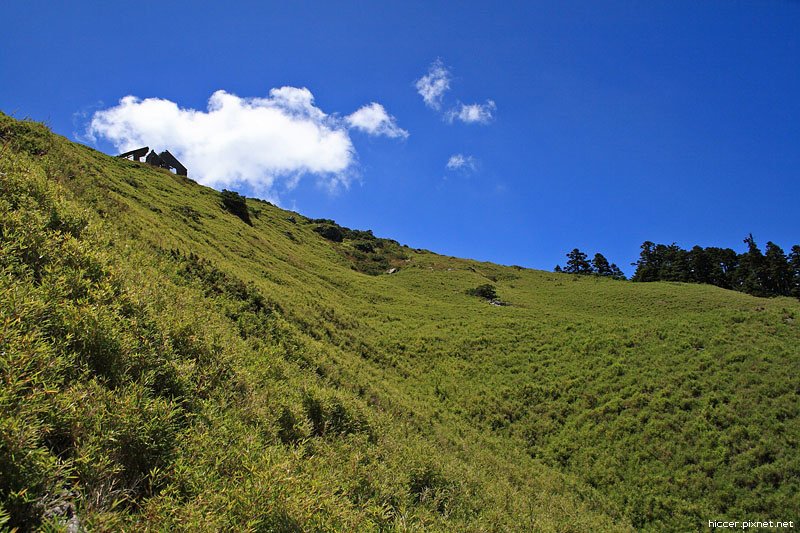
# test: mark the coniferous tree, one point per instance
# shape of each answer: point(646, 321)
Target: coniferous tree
point(674, 263)
point(777, 271)
point(699, 265)
point(577, 263)
point(616, 273)
point(751, 269)
point(794, 265)
point(724, 263)
point(647, 267)
point(600, 265)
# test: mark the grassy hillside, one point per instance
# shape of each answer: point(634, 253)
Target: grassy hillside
point(166, 363)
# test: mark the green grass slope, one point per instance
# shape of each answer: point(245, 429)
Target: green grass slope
point(166, 365)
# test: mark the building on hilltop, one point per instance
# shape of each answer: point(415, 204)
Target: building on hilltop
point(163, 160)
point(166, 160)
point(135, 155)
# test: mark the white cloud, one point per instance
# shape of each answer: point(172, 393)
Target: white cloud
point(473, 113)
point(261, 142)
point(434, 84)
point(462, 162)
point(374, 120)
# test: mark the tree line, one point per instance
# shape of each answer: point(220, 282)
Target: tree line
point(768, 273)
point(579, 263)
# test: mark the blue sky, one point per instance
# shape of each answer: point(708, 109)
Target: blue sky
point(603, 125)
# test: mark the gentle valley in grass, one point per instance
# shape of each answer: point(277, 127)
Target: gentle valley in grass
point(171, 362)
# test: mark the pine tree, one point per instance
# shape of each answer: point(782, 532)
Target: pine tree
point(647, 266)
point(675, 265)
point(600, 265)
point(577, 263)
point(700, 265)
point(750, 274)
point(616, 273)
point(724, 263)
point(794, 264)
point(777, 271)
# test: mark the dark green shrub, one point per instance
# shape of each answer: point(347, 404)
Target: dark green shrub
point(188, 213)
point(485, 291)
point(361, 235)
point(236, 204)
point(330, 232)
point(368, 254)
point(364, 247)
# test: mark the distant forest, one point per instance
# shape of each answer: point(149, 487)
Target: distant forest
point(768, 273)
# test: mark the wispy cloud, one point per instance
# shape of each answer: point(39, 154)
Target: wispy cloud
point(266, 143)
point(472, 113)
point(462, 162)
point(434, 84)
point(374, 120)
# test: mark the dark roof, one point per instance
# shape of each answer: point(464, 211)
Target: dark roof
point(170, 160)
point(136, 154)
point(154, 159)
point(164, 160)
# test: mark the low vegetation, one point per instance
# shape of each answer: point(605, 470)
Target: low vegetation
point(236, 204)
point(486, 291)
point(165, 366)
point(365, 252)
